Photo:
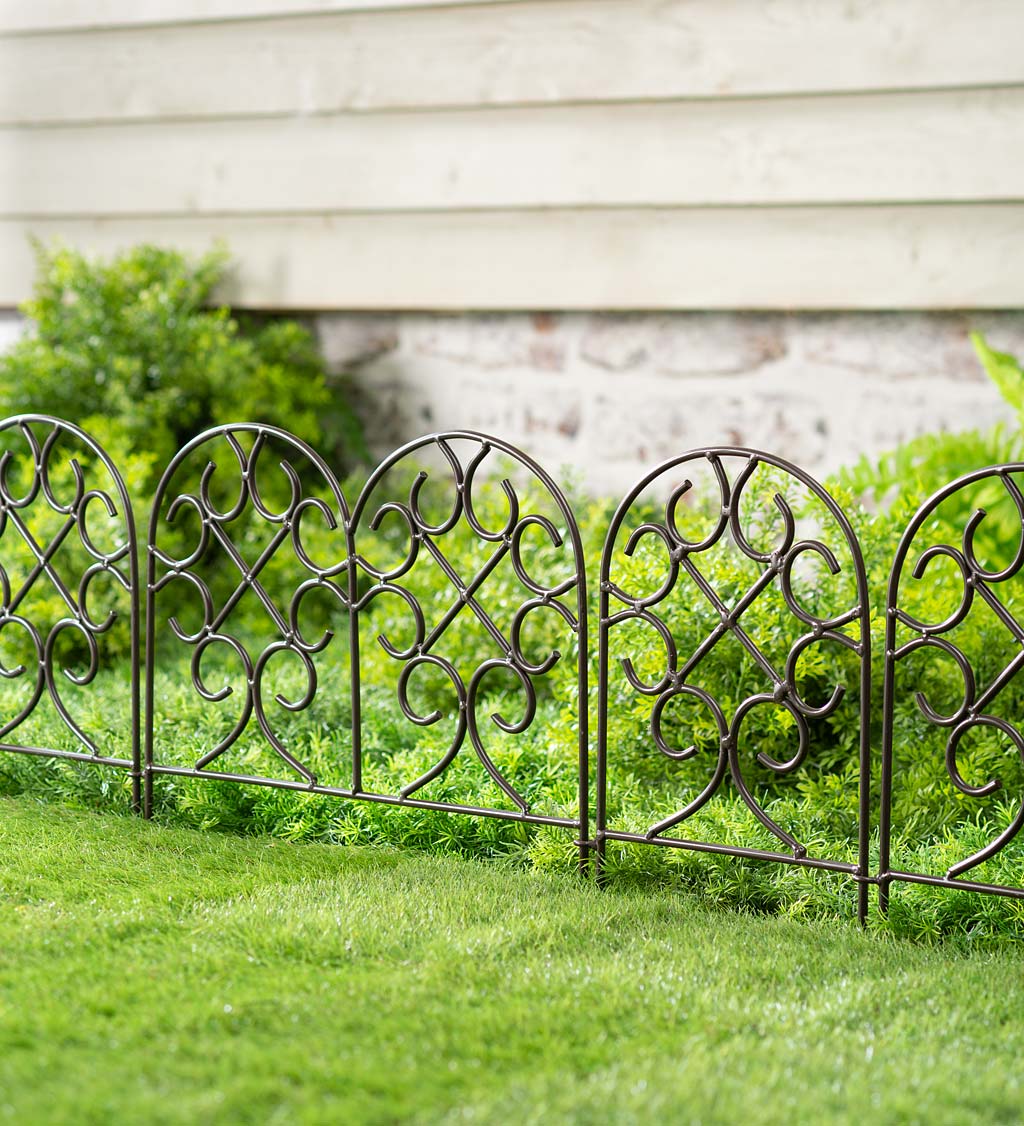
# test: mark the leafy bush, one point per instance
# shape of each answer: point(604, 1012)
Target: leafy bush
point(130, 349)
point(1005, 371)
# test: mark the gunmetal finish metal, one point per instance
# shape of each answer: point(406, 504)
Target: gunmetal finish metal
point(42, 437)
point(215, 527)
point(355, 582)
point(681, 670)
point(567, 597)
point(980, 586)
point(353, 578)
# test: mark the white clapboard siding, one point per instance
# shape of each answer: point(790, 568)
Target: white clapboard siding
point(810, 258)
point(552, 51)
point(20, 16)
point(865, 148)
point(510, 154)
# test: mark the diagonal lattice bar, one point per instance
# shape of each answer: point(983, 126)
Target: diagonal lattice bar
point(466, 596)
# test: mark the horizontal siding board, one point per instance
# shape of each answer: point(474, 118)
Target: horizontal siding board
point(810, 258)
point(864, 149)
point(20, 16)
point(552, 51)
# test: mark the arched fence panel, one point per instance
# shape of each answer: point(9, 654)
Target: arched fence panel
point(952, 738)
point(734, 621)
point(472, 610)
point(249, 584)
point(267, 597)
point(69, 596)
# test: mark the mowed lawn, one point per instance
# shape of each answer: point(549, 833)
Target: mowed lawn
point(150, 974)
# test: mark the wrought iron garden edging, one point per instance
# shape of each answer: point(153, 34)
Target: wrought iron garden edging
point(780, 689)
point(342, 579)
point(50, 512)
point(975, 711)
point(120, 563)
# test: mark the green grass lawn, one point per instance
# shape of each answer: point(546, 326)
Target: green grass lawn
point(155, 974)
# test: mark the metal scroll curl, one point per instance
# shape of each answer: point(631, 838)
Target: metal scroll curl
point(415, 532)
point(671, 672)
point(215, 530)
point(972, 588)
point(68, 577)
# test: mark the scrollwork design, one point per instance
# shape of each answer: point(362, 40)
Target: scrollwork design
point(774, 566)
point(974, 709)
point(249, 446)
point(426, 538)
point(46, 529)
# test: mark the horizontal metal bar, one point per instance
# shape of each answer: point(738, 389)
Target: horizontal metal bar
point(729, 850)
point(945, 882)
point(478, 811)
point(366, 795)
point(78, 756)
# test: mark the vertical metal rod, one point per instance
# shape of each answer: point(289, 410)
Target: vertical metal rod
point(355, 682)
point(864, 797)
point(582, 684)
point(864, 782)
point(885, 790)
point(147, 799)
point(601, 798)
point(136, 718)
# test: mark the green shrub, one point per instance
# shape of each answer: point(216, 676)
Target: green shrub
point(1005, 371)
point(132, 349)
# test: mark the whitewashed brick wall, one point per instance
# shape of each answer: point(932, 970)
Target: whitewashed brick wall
point(611, 395)
point(608, 396)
